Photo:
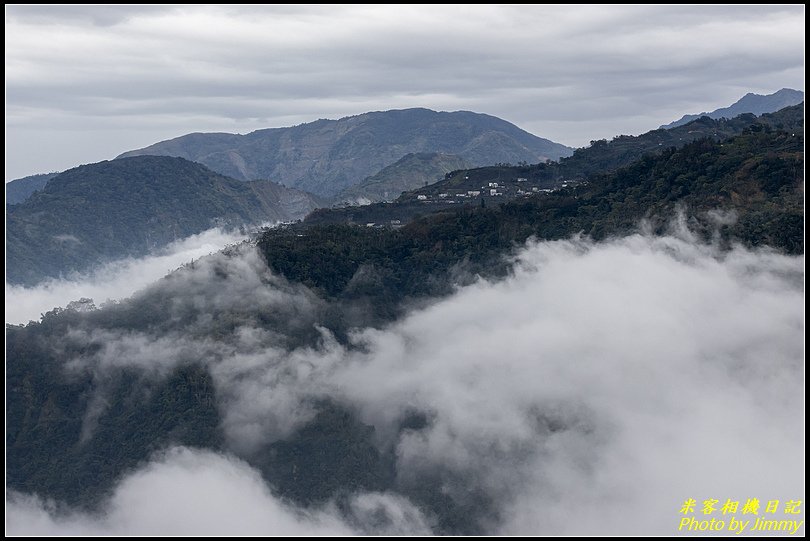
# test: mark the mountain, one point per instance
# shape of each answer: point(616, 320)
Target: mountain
point(127, 207)
point(18, 190)
point(509, 182)
point(750, 103)
point(605, 156)
point(327, 156)
point(219, 352)
point(409, 172)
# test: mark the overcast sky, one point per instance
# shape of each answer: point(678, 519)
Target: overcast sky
point(86, 83)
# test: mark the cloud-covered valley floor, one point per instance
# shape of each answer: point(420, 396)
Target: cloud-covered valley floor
point(591, 392)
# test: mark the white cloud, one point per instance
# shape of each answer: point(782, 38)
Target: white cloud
point(185, 492)
point(603, 384)
point(113, 281)
point(592, 392)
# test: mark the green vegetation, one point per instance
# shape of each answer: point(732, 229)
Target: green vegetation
point(605, 156)
point(20, 189)
point(757, 175)
point(120, 208)
point(48, 410)
point(412, 171)
point(518, 182)
point(327, 156)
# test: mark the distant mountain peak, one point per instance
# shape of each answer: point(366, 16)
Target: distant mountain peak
point(757, 104)
point(328, 156)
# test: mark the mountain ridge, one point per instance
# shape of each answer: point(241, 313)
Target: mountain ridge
point(20, 189)
point(472, 186)
point(327, 156)
point(136, 204)
point(409, 172)
point(756, 104)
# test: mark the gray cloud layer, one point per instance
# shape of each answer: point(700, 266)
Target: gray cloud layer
point(590, 393)
point(113, 281)
point(84, 83)
point(187, 492)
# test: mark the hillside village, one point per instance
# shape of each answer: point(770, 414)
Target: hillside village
point(498, 183)
point(507, 188)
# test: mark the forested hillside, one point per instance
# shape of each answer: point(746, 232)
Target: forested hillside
point(98, 212)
